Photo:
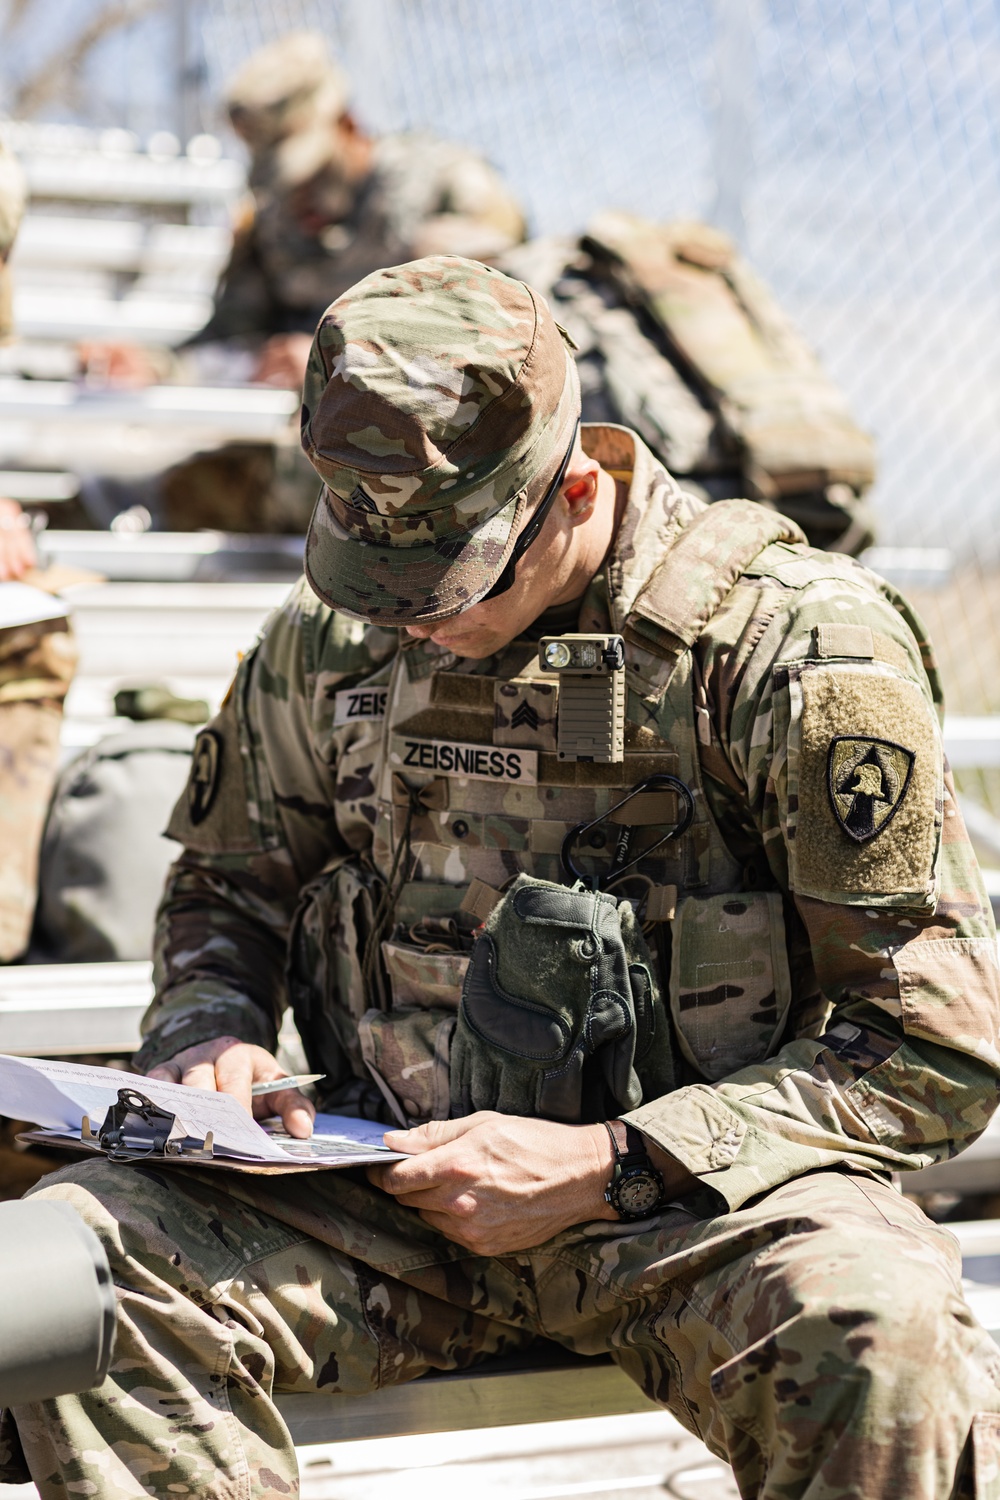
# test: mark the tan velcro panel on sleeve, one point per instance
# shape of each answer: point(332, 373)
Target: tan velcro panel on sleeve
point(899, 861)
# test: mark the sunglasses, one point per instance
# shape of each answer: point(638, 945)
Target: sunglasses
point(534, 526)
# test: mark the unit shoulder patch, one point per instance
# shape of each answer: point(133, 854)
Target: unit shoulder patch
point(867, 780)
point(203, 782)
point(863, 785)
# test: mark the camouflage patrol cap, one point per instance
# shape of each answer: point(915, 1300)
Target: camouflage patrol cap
point(12, 196)
point(284, 87)
point(435, 392)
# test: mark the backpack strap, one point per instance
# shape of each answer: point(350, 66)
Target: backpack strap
point(707, 560)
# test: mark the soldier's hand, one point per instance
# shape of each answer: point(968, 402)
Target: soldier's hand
point(283, 361)
point(17, 546)
point(499, 1183)
point(228, 1066)
point(105, 362)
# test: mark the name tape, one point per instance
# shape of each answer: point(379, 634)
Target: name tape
point(459, 758)
point(351, 705)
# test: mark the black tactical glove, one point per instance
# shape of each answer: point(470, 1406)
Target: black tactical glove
point(561, 1014)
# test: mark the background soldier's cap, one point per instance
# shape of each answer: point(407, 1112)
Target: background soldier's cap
point(435, 391)
point(12, 197)
point(286, 86)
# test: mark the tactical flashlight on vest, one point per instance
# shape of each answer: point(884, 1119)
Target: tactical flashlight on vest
point(591, 672)
point(57, 1320)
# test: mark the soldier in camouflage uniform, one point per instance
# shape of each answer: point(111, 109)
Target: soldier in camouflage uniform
point(387, 761)
point(37, 657)
point(331, 204)
point(328, 205)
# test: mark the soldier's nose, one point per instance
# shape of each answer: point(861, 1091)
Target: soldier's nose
point(420, 632)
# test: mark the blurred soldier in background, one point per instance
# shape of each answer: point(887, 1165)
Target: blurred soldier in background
point(328, 204)
point(37, 657)
point(676, 336)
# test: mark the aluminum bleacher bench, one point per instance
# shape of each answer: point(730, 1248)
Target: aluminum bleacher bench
point(545, 1385)
point(75, 165)
point(59, 425)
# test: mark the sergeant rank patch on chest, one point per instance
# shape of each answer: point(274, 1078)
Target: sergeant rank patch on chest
point(462, 758)
point(867, 779)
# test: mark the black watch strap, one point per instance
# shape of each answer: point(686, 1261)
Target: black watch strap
point(636, 1188)
point(628, 1143)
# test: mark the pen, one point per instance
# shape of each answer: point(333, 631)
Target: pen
point(294, 1081)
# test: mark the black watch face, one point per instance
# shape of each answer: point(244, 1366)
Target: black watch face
point(638, 1192)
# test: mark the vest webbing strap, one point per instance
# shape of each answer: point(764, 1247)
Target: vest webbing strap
point(702, 566)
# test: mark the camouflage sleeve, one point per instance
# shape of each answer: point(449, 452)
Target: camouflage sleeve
point(890, 1051)
point(257, 822)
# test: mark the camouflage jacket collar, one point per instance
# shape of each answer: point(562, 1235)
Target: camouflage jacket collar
point(656, 511)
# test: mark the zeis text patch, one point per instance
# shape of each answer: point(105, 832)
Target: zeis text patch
point(352, 705)
point(459, 758)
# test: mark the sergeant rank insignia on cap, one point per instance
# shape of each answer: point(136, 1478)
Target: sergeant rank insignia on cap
point(867, 781)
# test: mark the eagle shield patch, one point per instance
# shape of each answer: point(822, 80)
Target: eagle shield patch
point(867, 780)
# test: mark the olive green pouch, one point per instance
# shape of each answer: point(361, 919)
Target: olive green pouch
point(561, 1014)
point(729, 982)
point(424, 976)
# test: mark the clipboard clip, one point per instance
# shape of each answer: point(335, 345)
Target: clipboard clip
point(135, 1128)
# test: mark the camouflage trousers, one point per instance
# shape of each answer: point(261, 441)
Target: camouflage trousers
point(36, 667)
point(817, 1339)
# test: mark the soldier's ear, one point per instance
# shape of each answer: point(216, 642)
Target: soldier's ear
point(579, 488)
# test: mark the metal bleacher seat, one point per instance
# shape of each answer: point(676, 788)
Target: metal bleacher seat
point(145, 278)
point(60, 425)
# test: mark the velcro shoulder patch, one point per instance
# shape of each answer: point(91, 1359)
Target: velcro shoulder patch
point(865, 786)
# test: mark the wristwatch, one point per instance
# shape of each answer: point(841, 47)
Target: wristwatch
point(636, 1188)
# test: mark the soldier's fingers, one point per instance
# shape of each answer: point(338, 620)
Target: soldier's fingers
point(297, 1113)
point(168, 1072)
point(449, 1201)
point(418, 1174)
point(433, 1133)
point(199, 1075)
point(451, 1228)
point(234, 1073)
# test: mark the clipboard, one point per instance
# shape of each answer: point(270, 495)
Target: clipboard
point(137, 1130)
point(128, 1119)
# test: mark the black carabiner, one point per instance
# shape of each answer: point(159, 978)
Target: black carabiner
point(658, 782)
